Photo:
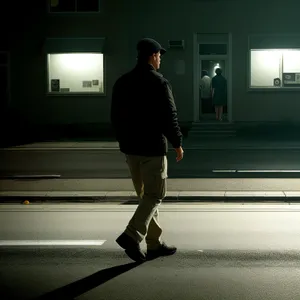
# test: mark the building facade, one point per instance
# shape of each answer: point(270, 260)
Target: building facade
point(65, 60)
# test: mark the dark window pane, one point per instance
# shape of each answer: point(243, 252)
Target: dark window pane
point(62, 5)
point(3, 87)
point(3, 58)
point(87, 5)
point(210, 49)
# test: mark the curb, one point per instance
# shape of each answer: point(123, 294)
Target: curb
point(230, 147)
point(129, 197)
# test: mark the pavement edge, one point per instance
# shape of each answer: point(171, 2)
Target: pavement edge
point(128, 197)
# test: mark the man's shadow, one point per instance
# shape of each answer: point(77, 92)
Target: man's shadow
point(77, 288)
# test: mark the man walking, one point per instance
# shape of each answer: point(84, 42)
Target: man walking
point(206, 96)
point(144, 117)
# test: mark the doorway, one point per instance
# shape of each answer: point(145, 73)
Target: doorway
point(209, 66)
point(210, 49)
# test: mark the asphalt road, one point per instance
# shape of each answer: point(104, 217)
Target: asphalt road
point(111, 164)
point(224, 252)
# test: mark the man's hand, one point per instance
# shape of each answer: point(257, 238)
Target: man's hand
point(179, 152)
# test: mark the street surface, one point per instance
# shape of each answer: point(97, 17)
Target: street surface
point(227, 252)
point(111, 164)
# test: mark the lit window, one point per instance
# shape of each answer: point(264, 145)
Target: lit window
point(278, 68)
point(75, 73)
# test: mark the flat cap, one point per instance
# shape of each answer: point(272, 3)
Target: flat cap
point(148, 46)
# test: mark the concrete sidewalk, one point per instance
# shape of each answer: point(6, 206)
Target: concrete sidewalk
point(121, 190)
point(188, 144)
point(130, 198)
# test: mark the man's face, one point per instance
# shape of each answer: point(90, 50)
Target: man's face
point(155, 60)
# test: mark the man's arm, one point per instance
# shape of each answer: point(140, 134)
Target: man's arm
point(171, 128)
point(201, 83)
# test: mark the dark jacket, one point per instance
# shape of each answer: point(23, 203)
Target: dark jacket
point(143, 113)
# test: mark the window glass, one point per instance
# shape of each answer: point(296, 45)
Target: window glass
point(278, 68)
point(76, 73)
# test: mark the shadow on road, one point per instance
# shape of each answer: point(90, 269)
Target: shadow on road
point(77, 288)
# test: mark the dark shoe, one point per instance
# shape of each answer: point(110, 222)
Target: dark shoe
point(132, 248)
point(163, 250)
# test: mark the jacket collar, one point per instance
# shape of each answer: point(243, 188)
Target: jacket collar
point(145, 66)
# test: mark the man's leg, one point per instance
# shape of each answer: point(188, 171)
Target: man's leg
point(153, 189)
point(153, 237)
point(155, 247)
point(134, 164)
point(154, 175)
point(128, 241)
point(154, 232)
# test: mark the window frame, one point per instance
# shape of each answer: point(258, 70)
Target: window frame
point(72, 12)
point(75, 94)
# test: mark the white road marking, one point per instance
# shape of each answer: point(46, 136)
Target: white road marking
point(34, 176)
point(224, 171)
point(268, 171)
point(256, 171)
point(58, 148)
point(52, 242)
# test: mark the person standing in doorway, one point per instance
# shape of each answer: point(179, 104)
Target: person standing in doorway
point(205, 86)
point(144, 117)
point(219, 93)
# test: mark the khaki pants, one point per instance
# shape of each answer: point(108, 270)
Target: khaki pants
point(149, 176)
